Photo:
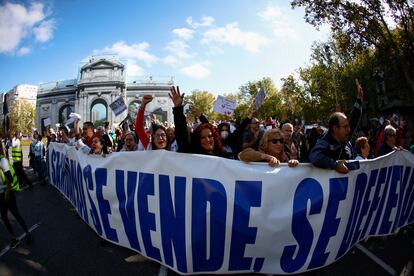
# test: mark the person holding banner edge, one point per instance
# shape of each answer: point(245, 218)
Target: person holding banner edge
point(332, 150)
point(271, 150)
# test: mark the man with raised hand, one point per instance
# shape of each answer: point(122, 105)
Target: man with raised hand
point(332, 150)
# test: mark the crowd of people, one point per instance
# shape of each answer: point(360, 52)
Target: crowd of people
point(249, 140)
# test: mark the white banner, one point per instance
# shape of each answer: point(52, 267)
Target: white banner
point(203, 214)
point(224, 106)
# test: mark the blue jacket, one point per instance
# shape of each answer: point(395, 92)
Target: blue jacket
point(328, 150)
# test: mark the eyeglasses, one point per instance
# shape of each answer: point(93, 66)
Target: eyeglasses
point(255, 123)
point(159, 136)
point(275, 141)
point(392, 135)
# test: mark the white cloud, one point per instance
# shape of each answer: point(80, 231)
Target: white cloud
point(206, 21)
point(18, 22)
point(138, 51)
point(23, 51)
point(133, 69)
point(231, 34)
point(196, 70)
point(179, 49)
point(282, 25)
point(44, 31)
point(171, 60)
point(184, 33)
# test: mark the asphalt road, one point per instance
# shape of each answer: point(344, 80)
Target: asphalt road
point(64, 245)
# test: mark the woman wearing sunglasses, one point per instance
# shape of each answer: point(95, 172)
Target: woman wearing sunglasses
point(159, 138)
point(271, 150)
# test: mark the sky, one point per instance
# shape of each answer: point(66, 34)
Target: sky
point(212, 45)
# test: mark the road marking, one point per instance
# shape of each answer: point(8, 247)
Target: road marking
point(163, 271)
point(7, 248)
point(373, 257)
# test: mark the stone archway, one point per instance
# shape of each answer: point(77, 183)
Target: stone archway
point(99, 112)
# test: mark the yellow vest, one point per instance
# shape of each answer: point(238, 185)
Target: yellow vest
point(17, 154)
point(15, 184)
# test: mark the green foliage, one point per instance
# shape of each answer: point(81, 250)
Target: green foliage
point(99, 122)
point(271, 106)
point(22, 116)
point(367, 27)
point(202, 100)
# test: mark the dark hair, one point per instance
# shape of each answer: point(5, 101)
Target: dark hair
point(103, 143)
point(226, 141)
point(89, 124)
point(221, 125)
point(334, 120)
point(133, 136)
point(154, 128)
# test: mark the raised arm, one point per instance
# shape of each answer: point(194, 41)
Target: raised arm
point(356, 112)
point(139, 121)
point(180, 122)
point(203, 118)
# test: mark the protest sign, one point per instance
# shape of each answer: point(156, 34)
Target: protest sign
point(47, 122)
point(224, 106)
point(118, 106)
point(259, 98)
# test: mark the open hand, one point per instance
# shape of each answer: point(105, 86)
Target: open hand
point(176, 96)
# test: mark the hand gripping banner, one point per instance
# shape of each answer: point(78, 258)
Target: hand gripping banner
point(202, 214)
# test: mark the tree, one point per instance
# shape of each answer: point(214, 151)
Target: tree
point(294, 97)
point(271, 106)
point(202, 100)
point(22, 116)
point(362, 25)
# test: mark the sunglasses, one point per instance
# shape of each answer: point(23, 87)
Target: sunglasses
point(275, 141)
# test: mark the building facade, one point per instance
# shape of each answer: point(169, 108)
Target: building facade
point(101, 81)
point(22, 92)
